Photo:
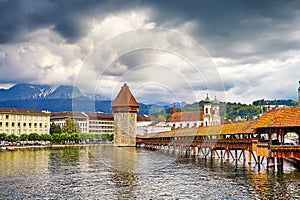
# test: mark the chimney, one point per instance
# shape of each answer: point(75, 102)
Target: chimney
point(174, 108)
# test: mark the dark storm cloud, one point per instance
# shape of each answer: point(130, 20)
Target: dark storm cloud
point(17, 16)
point(219, 21)
point(221, 24)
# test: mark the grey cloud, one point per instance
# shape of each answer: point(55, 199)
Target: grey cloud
point(17, 16)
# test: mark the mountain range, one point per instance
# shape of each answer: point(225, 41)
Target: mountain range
point(26, 91)
point(56, 99)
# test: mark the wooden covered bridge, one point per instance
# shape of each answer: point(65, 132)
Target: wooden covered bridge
point(252, 141)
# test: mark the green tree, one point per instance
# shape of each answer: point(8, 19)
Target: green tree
point(54, 128)
point(56, 137)
point(71, 126)
point(24, 137)
point(3, 136)
point(46, 137)
point(75, 137)
point(109, 137)
point(12, 138)
point(161, 117)
point(34, 137)
point(64, 137)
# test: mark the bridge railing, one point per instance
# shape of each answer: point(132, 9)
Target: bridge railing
point(196, 141)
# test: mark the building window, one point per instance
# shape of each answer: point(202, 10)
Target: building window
point(0, 116)
point(19, 124)
point(0, 123)
point(19, 117)
point(6, 116)
point(24, 124)
point(24, 117)
point(13, 124)
point(29, 124)
point(12, 117)
point(6, 124)
point(206, 110)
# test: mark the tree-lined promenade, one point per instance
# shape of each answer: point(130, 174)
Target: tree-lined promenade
point(66, 135)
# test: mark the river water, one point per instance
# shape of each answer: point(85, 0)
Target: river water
point(106, 172)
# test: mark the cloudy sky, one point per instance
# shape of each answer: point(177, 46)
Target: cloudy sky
point(168, 51)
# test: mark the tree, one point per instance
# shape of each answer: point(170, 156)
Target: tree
point(33, 137)
point(12, 138)
point(56, 137)
point(162, 118)
point(46, 137)
point(109, 137)
point(3, 136)
point(54, 128)
point(24, 137)
point(63, 137)
point(71, 126)
point(75, 137)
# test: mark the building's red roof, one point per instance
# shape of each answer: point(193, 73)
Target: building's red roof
point(20, 111)
point(100, 116)
point(282, 117)
point(125, 101)
point(147, 118)
point(67, 114)
point(186, 116)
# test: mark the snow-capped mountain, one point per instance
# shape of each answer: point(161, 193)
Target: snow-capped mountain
point(36, 91)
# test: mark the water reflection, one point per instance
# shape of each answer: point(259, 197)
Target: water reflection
point(106, 172)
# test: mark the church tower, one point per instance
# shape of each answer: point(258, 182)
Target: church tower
point(125, 109)
point(207, 112)
point(216, 118)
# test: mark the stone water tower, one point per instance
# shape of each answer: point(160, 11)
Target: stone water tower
point(125, 109)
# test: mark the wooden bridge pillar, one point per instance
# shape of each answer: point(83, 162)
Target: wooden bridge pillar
point(249, 157)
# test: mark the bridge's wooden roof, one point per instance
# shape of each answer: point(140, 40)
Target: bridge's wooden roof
point(226, 129)
point(282, 117)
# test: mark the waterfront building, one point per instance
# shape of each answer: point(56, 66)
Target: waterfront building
point(59, 118)
point(89, 122)
point(23, 121)
point(149, 124)
point(100, 123)
point(125, 109)
point(209, 116)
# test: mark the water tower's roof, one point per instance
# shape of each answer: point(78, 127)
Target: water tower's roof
point(125, 98)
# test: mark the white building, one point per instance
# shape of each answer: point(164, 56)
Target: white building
point(148, 124)
point(208, 117)
point(89, 122)
point(59, 118)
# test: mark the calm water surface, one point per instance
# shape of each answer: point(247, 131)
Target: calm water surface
point(105, 172)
